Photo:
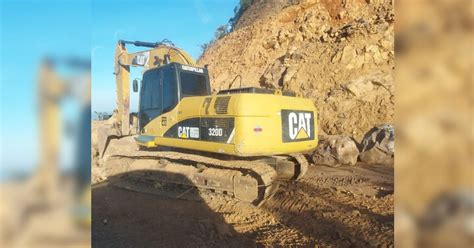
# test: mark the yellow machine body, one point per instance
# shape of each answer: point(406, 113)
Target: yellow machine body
point(177, 109)
point(269, 127)
point(250, 124)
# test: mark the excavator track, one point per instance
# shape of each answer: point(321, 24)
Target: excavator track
point(249, 180)
point(303, 165)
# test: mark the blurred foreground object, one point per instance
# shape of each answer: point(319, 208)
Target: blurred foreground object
point(449, 221)
point(52, 208)
point(434, 117)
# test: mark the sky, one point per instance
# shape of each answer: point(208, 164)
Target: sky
point(32, 29)
point(187, 23)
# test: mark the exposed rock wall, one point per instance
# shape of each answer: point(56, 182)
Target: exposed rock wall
point(340, 54)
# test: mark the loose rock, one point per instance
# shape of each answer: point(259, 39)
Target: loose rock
point(378, 145)
point(335, 150)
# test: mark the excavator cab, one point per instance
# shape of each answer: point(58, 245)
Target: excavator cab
point(163, 87)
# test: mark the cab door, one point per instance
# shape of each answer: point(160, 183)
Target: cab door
point(169, 99)
point(150, 98)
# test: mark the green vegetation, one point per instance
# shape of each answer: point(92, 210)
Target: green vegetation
point(225, 29)
point(238, 11)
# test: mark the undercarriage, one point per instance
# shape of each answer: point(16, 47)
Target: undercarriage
point(251, 180)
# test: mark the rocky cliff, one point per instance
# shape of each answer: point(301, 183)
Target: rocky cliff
point(338, 53)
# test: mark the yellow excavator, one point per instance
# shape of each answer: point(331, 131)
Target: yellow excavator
point(241, 142)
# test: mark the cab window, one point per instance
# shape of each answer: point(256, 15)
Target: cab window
point(170, 89)
point(193, 84)
point(150, 95)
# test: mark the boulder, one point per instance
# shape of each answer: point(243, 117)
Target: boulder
point(271, 78)
point(378, 145)
point(348, 54)
point(369, 87)
point(360, 87)
point(335, 150)
point(289, 74)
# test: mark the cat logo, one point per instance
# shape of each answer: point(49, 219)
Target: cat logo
point(192, 68)
point(188, 132)
point(297, 125)
point(141, 59)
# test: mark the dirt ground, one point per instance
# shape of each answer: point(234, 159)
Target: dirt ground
point(330, 207)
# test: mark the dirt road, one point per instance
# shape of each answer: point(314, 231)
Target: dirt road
point(338, 207)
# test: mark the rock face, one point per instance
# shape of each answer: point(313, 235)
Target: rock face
point(340, 54)
point(335, 150)
point(378, 145)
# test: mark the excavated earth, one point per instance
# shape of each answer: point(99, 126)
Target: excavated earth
point(330, 207)
point(348, 206)
point(339, 53)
